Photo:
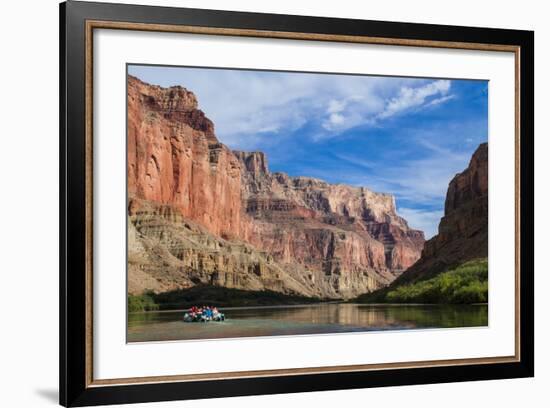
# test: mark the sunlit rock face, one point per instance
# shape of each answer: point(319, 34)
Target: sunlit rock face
point(200, 213)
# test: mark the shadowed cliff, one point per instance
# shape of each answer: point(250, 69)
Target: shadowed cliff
point(463, 230)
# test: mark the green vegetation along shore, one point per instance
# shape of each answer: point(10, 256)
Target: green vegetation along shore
point(464, 284)
point(142, 303)
point(212, 295)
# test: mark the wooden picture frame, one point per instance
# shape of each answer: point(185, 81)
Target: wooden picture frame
point(78, 20)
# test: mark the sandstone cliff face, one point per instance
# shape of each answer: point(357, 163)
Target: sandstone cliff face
point(174, 158)
point(352, 234)
point(167, 251)
point(463, 230)
point(201, 213)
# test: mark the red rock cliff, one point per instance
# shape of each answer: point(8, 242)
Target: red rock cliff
point(200, 213)
point(174, 158)
point(342, 230)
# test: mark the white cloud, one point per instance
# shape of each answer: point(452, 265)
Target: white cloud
point(346, 113)
point(350, 112)
point(439, 101)
point(335, 106)
point(252, 102)
point(269, 129)
point(250, 107)
point(411, 97)
point(335, 119)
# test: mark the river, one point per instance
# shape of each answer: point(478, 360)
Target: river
point(308, 319)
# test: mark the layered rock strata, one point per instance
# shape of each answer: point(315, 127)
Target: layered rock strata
point(200, 213)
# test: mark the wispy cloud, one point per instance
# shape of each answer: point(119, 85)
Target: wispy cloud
point(414, 97)
point(243, 104)
point(347, 113)
point(359, 161)
point(350, 112)
point(344, 114)
point(439, 101)
point(423, 180)
point(424, 220)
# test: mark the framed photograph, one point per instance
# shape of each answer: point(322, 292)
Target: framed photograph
point(256, 204)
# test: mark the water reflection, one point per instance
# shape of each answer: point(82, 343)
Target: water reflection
point(291, 320)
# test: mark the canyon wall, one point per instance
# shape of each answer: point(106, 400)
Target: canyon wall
point(199, 213)
point(175, 159)
point(463, 230)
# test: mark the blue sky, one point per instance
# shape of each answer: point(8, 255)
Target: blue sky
point(404, 136)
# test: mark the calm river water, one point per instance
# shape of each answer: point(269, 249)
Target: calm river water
point(309, 319)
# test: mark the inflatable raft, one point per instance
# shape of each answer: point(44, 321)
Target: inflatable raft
point(203, 315)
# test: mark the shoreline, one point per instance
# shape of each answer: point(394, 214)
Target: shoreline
point(319, 304)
